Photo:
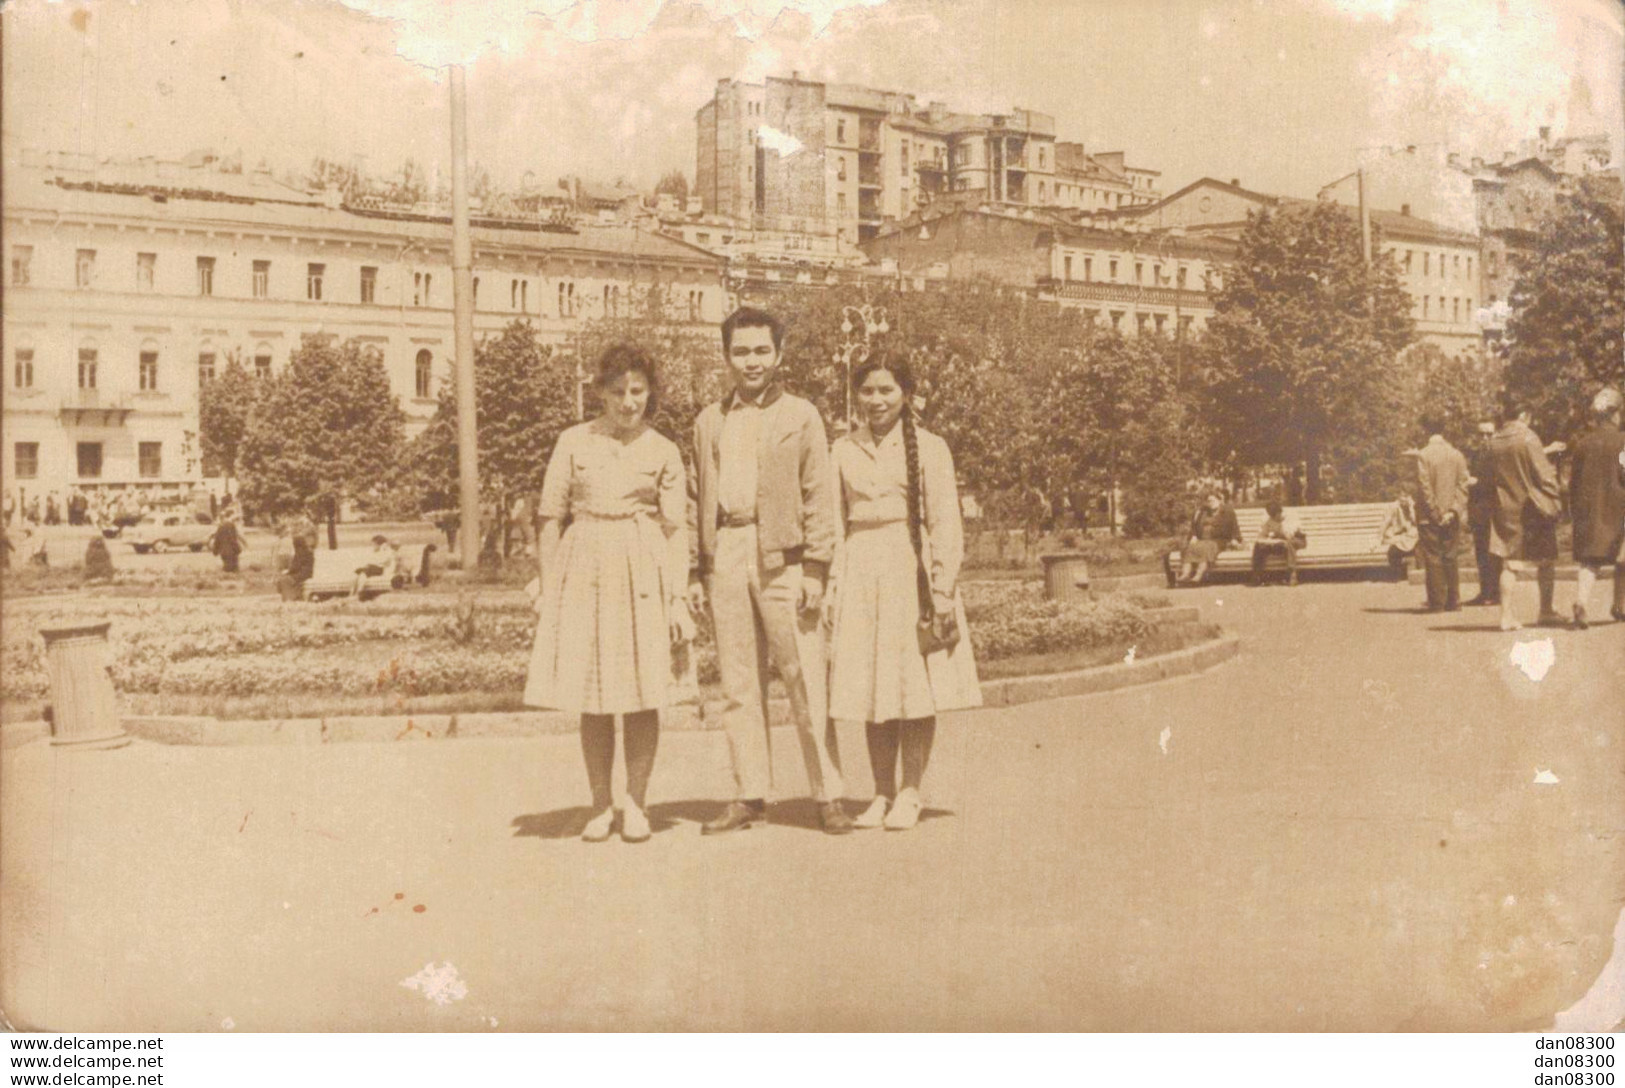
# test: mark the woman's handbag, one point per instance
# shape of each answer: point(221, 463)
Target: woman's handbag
point(937, 631)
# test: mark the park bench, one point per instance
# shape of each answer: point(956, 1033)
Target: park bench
point(334, 574)
point(1344, 537)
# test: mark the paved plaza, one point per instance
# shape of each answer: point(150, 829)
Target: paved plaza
point(1372, 819)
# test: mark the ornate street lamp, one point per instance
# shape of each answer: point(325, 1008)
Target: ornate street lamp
point(858, 325)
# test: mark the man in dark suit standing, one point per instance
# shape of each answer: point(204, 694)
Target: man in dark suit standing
point(1480, 510)
point(1523, 530)
point(1441, 509)
point(1597, 500)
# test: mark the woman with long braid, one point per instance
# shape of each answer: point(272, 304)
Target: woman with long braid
point(897, 658)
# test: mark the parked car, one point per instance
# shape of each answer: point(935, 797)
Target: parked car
point(164, 532)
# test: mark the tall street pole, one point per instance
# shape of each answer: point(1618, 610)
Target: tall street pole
point(1365, 218)
point(462, 295)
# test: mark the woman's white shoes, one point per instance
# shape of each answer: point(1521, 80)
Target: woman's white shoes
point(905, 811)
point(872, 816)
point(634, 824)
point(597, 829)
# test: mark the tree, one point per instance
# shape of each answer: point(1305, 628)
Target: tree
point(225, 405)
point(524, 399)
point(1114, 413)
point(1566, 333)
point(324, 173)
point(1460, 390)
point(1302, 361)
point(327, 430)
point(674, 182)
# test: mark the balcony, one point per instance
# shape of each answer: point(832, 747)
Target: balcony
point(95, 406)
point(869, 176)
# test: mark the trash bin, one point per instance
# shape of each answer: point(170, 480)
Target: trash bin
point(1066, 576)
point(84, 709)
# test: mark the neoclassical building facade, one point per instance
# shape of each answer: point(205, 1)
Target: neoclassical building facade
point(124, 293)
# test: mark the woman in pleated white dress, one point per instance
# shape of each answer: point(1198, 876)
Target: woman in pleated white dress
point(889, 665)
point(613, 626)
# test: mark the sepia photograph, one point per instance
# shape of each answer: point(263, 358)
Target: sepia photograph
point(842, 516)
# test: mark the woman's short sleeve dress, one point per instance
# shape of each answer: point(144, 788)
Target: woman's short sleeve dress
point(603, 643)
point(877, 672)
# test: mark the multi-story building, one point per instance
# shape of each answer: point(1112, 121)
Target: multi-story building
point(797, 154)
point(126, 291)
point(1440, 266)
point(1134, 281)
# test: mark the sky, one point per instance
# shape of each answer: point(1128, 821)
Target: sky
point(1283, 95)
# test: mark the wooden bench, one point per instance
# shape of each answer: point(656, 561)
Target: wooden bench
point(334, 575)
point(1345, 537)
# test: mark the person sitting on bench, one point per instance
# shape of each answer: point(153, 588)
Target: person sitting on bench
point(381, 563)
point(1279, 534)
point(1213, 529)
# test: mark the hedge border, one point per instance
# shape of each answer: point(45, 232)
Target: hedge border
point(211, 732)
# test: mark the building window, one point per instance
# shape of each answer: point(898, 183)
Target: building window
point(1184, 326)
point(1088, 269)
point(840, 132)
point(1455, 309)
point(84, 267)
point(90, 460)
point(1140, 323)
point(151, 455)
point(1426, 305)
point(1455, 262)
point(22, 265)
point(1067, 275)
point(1179, 278)
point(1427, 264)
point(1041, 194)
point(369, 283)
point(840, 205)
point(205, 275)
point(1469, 268)
point(262, 279)
point(524, 296)
point(1407, 262)
point(25, 457)
point(513, 295)
point(1161, 322)
point(903, 162)
point(1441, 307)
point(567, 299)
point(313, 281)
point(425, 369)
point(1117, 320)
point(205, 368)
point(1469, 307)
point(262, 363)
point(1139, 272)
point(149, 371)
point(475, 301)
point(146, 268)
point(23, 368)
point(1114, 272)
point(87, 367)
point(606, 298)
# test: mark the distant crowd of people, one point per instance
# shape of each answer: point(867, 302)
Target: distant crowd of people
point(1506, 498)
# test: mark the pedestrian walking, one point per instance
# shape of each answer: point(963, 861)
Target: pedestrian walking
point(1523, 530)
point(1480, 511)
point(613, 632)
point(8, 508)
point(766, 535)
point(1597, 502)
point(1441, 510)
point(896, 659)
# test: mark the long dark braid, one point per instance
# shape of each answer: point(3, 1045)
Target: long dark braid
point(898, 367)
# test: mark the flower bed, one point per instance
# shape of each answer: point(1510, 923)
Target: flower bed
point(407, 647)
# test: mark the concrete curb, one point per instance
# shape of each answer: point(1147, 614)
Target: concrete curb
point(211, 732)
point(1173, 613)
point(1026, 689)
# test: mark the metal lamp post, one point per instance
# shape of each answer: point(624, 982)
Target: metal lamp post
point(855, 338)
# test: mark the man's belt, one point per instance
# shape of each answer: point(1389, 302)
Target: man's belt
point(734, 521)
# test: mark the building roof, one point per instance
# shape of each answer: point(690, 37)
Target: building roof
point(1394, 223)
point(44, 193)
point(1065, 230)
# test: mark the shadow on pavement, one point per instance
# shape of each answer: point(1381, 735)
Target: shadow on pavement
point(1395, 611)
point(566, 823)
point(803, 813)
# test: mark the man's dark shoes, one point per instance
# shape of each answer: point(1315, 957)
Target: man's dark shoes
point(736, 817)
point(834, 818)
point(1580, 617)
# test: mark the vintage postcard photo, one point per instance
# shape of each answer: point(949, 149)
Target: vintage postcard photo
point(812, 515)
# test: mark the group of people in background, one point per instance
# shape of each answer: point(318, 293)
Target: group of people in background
point(1509, 499)
point(800, 553)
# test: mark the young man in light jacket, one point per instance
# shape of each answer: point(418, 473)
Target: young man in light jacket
point(762, 548)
